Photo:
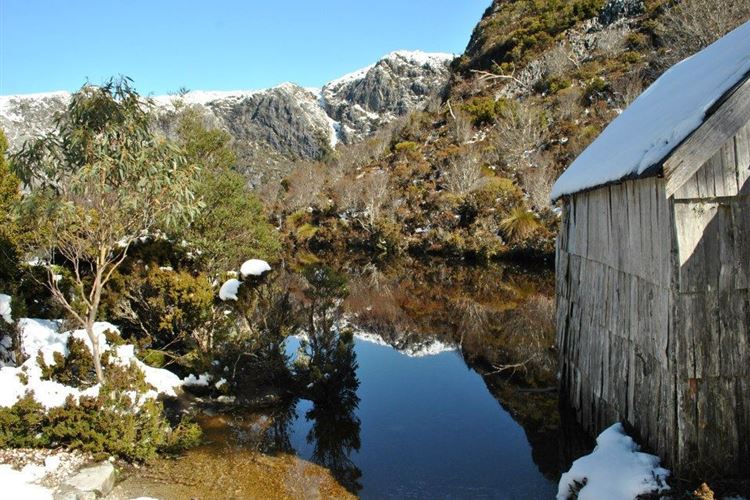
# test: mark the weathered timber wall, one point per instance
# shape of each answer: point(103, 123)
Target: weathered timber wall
point(712, 304)
point(614, 274)
point(653, 300)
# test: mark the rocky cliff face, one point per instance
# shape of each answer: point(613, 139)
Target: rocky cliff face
point(364, 101)
point(275, 125)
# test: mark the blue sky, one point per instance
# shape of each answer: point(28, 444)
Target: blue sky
point(163, 45)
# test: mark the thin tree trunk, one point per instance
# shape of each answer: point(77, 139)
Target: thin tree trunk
point(95, 351)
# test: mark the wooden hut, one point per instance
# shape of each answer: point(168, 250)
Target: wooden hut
point(653, 267)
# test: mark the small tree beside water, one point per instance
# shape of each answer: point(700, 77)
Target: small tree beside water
point(101, 180)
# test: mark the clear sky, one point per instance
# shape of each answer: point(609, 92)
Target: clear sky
point(163, 45)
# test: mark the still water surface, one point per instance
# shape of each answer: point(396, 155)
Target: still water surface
point(428, 428)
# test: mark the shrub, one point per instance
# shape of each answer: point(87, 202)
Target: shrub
point(596, 89)
point(406, 146)
point(499, 193)
point(169, 313)
point(519, 224)
point(119, 421)
point(552, 84)
point(76, 369)
point(484, 110)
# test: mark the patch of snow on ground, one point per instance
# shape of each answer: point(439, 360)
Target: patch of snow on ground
point(5, 309)
point(162, 380)
point(615, 470)
point(254, 267)
point(662, 117)
point(229, 289)
point(21, 484)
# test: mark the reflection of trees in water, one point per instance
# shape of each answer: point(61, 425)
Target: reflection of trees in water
point(336, 427)
point(278, 436)
point(499, 316)
point(335, 433)
point(326, 370)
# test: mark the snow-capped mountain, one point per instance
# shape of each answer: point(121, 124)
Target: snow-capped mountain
point(274, 125)
point(364, 101)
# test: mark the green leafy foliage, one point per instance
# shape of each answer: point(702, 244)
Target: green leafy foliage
point(232, 222)
point(120, 421)
point(10, 230)
point(164, 309)
point(484, 110)
point(76, 369)
point(102, 179)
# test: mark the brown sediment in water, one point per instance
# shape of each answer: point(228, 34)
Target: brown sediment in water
point(229, 468)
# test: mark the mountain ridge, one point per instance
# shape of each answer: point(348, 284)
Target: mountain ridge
point(270, 126)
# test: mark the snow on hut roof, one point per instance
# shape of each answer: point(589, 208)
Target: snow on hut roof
point(662, 117)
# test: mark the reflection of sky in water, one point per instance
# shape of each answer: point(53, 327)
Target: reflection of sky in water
point(431, 429)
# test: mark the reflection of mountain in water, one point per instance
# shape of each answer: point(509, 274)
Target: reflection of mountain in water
point(501, 321)
point(413, 346)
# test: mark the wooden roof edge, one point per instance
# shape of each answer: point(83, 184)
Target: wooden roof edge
point(721, 122)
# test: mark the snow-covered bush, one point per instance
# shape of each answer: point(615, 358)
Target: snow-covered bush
point(53, 399)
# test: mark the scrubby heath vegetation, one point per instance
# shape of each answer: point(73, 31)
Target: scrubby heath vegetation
point(469, 176)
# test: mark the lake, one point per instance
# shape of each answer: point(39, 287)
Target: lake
point(430, 428)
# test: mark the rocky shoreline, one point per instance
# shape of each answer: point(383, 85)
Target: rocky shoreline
point(57, 474)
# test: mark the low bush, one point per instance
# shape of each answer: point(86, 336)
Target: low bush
point(120, 421)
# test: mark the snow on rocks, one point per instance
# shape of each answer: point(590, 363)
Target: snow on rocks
point(254, 267)
point(616, 470)
point(200, 381)
point(229, 289)
point(662, 117)
point(42, 336)
point(5, 310)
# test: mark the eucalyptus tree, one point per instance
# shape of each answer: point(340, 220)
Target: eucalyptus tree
point(101, 180)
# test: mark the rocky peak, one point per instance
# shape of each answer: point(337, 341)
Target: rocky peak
point(365, 100)
point(24, 117)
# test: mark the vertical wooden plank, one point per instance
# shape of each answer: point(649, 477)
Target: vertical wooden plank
point(742, 156)
point(728, 171)
point(740, 221)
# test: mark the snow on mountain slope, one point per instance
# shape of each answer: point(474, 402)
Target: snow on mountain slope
point(367, 99)
point(283, 122)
